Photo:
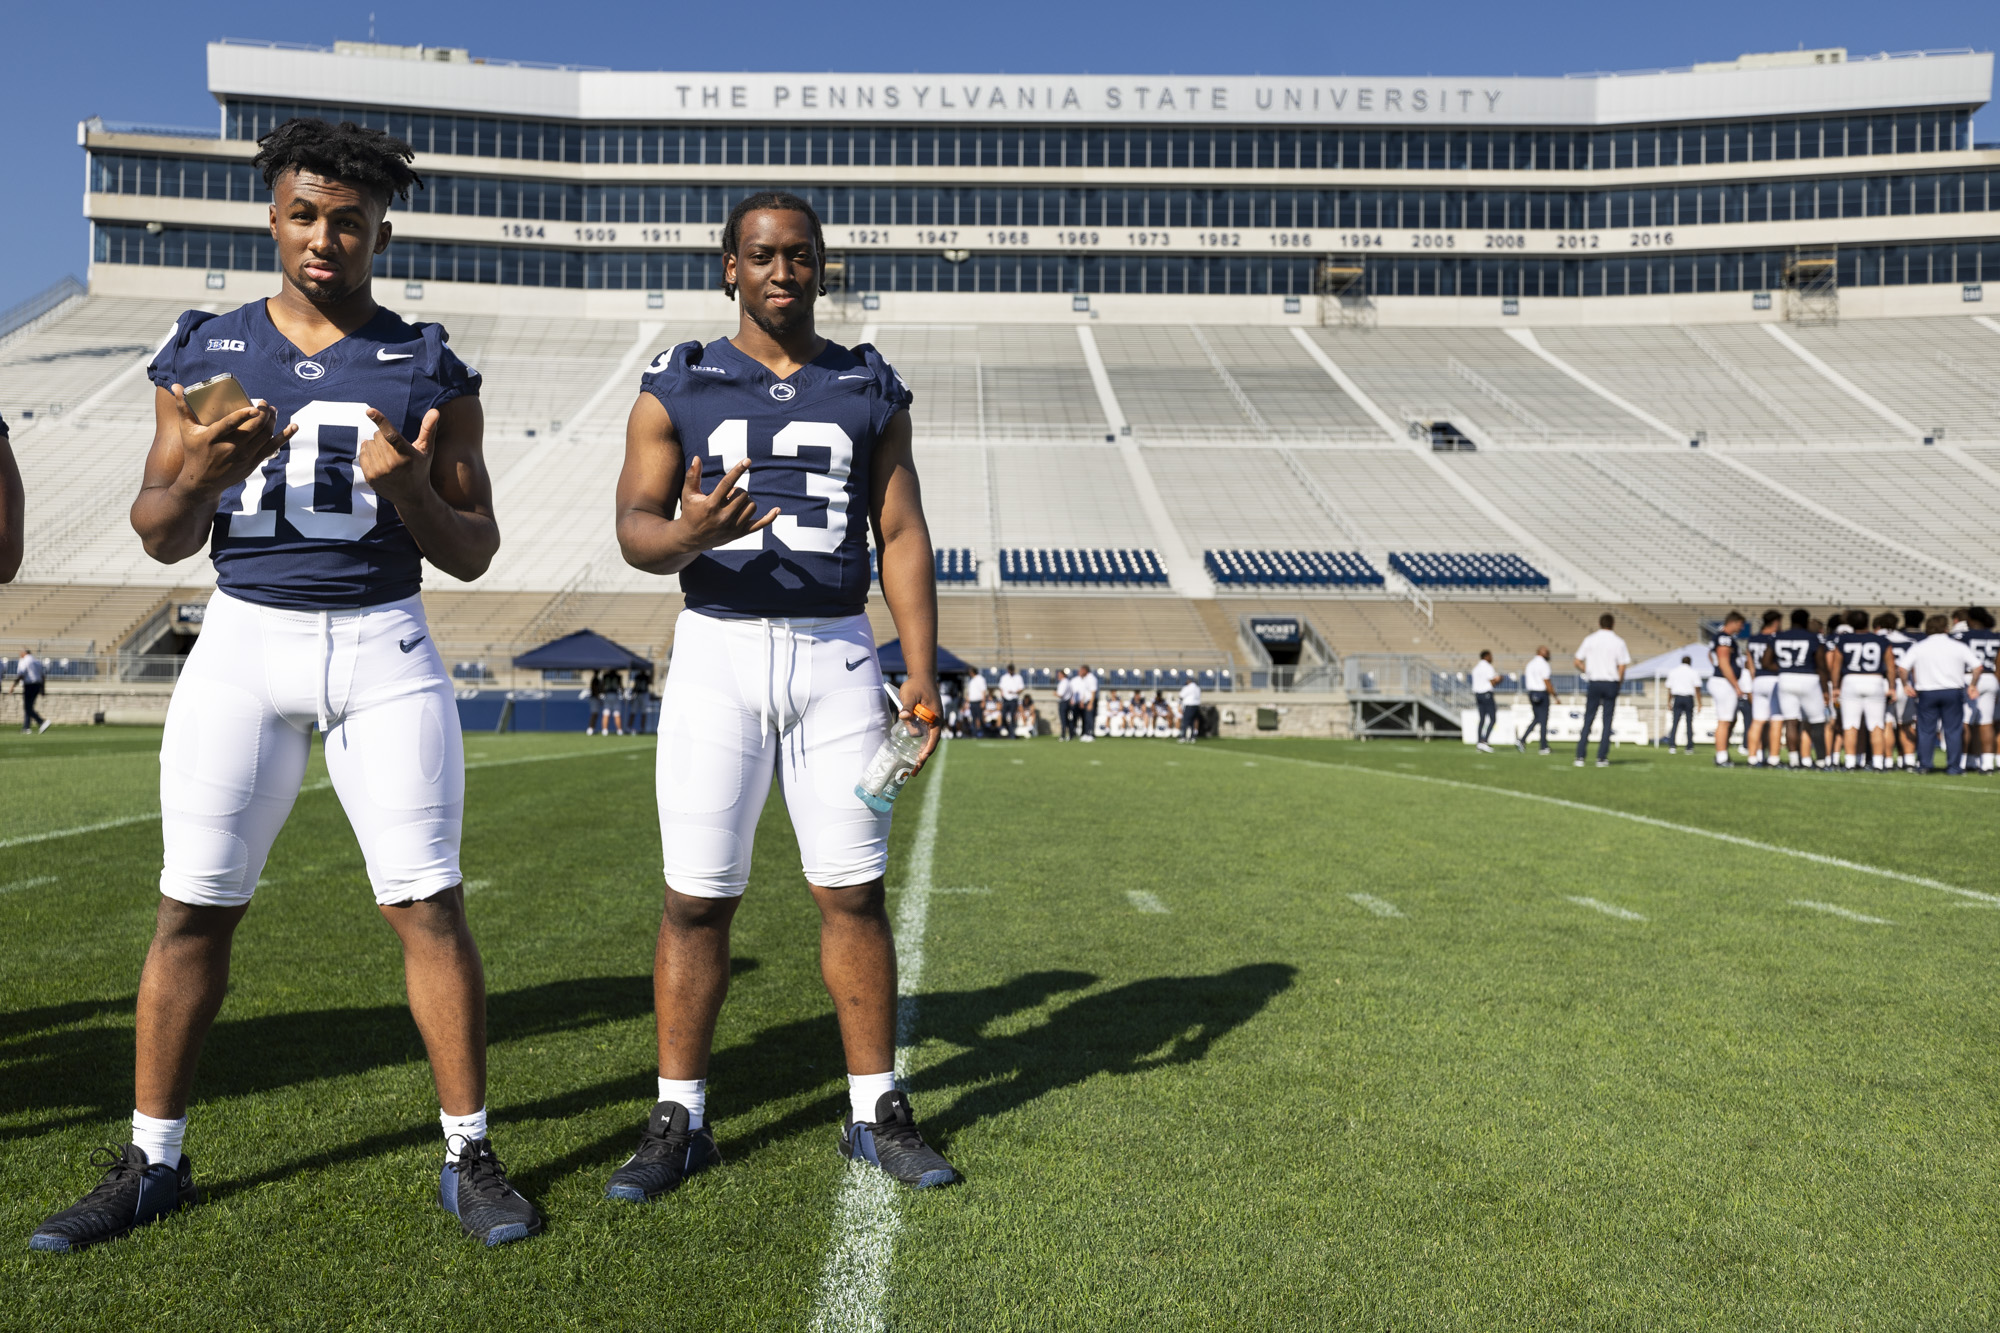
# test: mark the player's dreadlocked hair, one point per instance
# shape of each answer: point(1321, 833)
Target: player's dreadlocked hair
point(378, 162)
point(775, 201)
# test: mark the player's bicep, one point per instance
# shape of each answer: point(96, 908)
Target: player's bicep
point(650, 480)
point(896, 501)
point(458, 457)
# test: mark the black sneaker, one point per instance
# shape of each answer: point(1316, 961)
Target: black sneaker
point(892, 1141)
point(669, 1152)
point(132, 1193)
point(473, 1188)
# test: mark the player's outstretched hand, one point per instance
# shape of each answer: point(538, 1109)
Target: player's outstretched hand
point(399, 470)
point(916, 692)
point(725, 514)
point(217, 456)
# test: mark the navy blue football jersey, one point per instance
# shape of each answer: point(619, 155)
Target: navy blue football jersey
point(1864, 654)
point(1985, 642)
point(811, 443)
point(1722, 649)
point(1797, 651)
point(307, 531)
point(1759, 652)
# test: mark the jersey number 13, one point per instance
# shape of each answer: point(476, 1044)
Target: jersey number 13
point(730, 441)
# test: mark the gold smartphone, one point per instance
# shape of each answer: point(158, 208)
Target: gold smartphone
point(213, 399)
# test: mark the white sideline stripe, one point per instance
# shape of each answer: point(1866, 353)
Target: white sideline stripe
point(854, 1284)
point(1731, 838)
point(1147, 902)
point(1379, 906)
point(1621, 913)
point(473, 886)
point(1844, 384)
point(34, 883)
point(322, 785)
point(1842, 911)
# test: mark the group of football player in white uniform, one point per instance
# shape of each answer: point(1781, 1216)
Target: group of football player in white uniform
point(1849, 692)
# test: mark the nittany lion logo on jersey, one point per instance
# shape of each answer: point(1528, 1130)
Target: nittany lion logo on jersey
point(783, 392)
point(308, 370)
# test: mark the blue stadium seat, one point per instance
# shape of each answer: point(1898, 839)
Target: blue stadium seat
point(1320, 569)
point(1451, 569)
point(1023, 565)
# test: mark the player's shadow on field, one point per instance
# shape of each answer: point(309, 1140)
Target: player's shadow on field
point(62, 1068)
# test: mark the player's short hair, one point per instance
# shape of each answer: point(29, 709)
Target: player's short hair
point(1857, 620)
point(1687, 661)
point(1936, 625)
point(1485, 654)
point(1886, 620)
point(774, 201)
point(1736, 616)
point(1913, 619)
point(1606, 621)
point(1980, 616)
point(377, 162)
point(1801, 617)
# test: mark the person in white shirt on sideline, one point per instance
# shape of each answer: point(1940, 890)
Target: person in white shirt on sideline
point(1945, 673)
point(1083, 702)
point(975, 692)
point(1065, 705)
point(1484, 673)
point(1011, 686)
point(28, 678)
point(1539, 681)
point(1682, 683)
point(1191, 711)
point(1601, 658)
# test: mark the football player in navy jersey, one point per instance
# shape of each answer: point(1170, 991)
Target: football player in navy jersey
point(1766, 727)
point(359, 459)
point(1864, 668)
point(1726, 685)
point(755, 468)
point(12, 509)
point(1802, 673)
point(1983, 639)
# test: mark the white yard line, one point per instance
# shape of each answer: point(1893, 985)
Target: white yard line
point(1832, 910)
point(1731, 838)
point(34, 883)
point(854, 1284)
point(1147, 902)
point(1379, 906)
point(1623, 914)
point(322, 785)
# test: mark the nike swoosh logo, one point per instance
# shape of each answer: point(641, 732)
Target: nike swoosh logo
point(855, 663)
point(407, 644)
point(384, 354)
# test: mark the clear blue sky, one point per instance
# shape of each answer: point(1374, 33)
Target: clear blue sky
point(125, 61)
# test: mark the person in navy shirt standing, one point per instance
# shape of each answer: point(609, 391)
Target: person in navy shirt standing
point(755, 469)
point(359, 459)
point(12, 507)
point(1802, 677)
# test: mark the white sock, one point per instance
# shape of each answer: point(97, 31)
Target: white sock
point(691, 1093)
point(160, 1140)
point(864, 1090)
point(460, 1130)
point(1847, 761)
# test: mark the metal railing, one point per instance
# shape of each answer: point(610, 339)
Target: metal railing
point(32, 309)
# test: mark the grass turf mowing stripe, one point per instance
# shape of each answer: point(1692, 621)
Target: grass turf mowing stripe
point(1752, 843)
point(323, 784)
point(854, 1284)
point(1834, 910)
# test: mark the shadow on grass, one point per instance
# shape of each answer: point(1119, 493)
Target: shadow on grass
point(1130, 1029)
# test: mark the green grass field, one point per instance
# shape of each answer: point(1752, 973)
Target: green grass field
point(1195, 1083)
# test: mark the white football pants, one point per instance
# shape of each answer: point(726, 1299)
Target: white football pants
point(239, 728)
point(745, 698)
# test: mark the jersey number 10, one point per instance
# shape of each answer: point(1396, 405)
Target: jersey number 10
point(312, 479)
point(730, 441)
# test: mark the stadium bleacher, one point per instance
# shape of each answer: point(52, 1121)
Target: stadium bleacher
point(1243, 452)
